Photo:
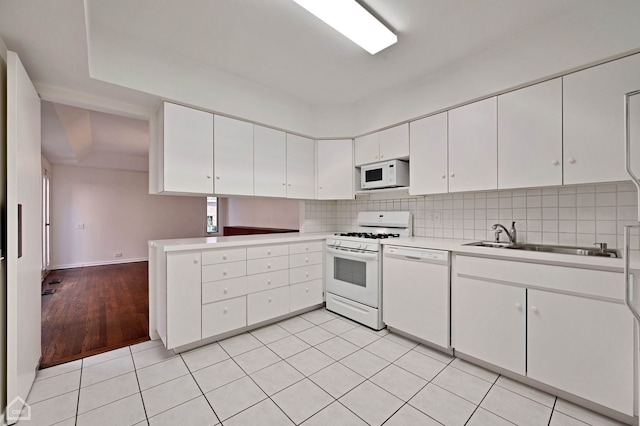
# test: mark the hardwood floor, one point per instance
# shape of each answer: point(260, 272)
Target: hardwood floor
point(94, 310)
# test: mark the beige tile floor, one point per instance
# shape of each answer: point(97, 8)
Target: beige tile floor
point(313, 369)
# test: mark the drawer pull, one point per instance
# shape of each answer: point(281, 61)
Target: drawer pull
point(225, 290)
point(195, 260)
point(224, 257)
point(519, 305)
point(306, 274)
point(268, 282)
point(307, 260)
point(307, 248)
point(268, 251)
point(534, 308)
point(269, 300)
point(225, 309)
point(307, 289)
point(224, 272)
point(268, 266)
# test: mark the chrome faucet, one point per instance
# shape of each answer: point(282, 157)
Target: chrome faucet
point(511, 235)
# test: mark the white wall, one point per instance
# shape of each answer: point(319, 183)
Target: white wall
point(263, 212)
point(118, 216)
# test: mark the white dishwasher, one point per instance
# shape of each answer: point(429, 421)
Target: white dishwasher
point(416, 293)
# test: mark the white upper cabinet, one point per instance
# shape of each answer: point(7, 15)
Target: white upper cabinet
point(301, 167)
point(388, 144)
point(269, 162)
point(335, 169)
point(233, 156)
point(428, 141)
point(530, 136)
point(473, 163)
point(593, 121)
point(187, 154)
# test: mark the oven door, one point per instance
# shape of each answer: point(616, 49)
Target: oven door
point(373, 177)
point(354, 275)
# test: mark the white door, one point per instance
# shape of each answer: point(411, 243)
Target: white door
point(593, 117)
point(428, 146)
point(367, 149)
point(473, 146)
point(269, 162)
point(301, 167)
point(335, 169)
point(394, 142)
point(488, 322)
point(188, 150)
point(582, 346)
point(24, 236)
point(530, 136)
point(233, 156)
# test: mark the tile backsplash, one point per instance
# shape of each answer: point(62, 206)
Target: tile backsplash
point(568, 215)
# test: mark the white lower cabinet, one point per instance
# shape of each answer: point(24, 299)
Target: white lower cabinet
point(268, 304)
point(489, 322)
point(183, 298)
point(582, 346)
point(571, 324)
point(305, 294)
point(224, 316)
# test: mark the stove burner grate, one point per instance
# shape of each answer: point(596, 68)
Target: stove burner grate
point(368, 235)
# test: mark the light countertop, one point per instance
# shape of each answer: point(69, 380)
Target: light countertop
point(203, 243)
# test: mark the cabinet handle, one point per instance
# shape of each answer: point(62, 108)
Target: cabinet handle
point(320, 187)
point(306, 248)
point(284, 183)
point(444, 176)
point(453, 175)
point(217, 177)
point(208, 176)
point(571, 160)
point(269, 300)
point(289, 184)
point(381, 157)
point(225, 290)
point(555, 162)
point(224, 257)
point(269, 252)
point(534, 308)
point(268, 282)
point(224, 272)
point(307, 289)
point(375, 158)
point(306, 274)
point(195, 260)
point(307, 260)
point(519, 305)
point(225, 310)
point(268, 266)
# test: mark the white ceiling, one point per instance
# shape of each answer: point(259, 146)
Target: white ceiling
point(272, 62)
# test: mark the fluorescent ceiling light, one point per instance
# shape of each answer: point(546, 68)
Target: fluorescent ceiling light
point(353, 21)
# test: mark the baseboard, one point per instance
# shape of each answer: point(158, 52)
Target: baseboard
point(99, 263)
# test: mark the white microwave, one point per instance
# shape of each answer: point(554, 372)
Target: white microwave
point(385, 175)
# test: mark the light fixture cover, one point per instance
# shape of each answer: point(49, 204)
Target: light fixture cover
point(353, 21)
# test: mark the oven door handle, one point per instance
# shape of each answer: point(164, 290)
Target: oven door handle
point(352, 254)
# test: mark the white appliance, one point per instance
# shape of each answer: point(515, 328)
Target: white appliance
point(416, 296)
point(384, 175)
point(632, 153)
point(353, 275)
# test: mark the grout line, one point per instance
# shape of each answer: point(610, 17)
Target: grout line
point(198, 384)
point(553, 409)
point(135, 370)
point(79, 390)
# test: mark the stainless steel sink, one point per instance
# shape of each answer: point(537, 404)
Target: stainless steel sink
point(580, 251)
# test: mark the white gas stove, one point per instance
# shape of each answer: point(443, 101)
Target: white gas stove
point(354, 266)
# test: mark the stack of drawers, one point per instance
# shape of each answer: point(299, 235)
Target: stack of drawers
point(249, 285)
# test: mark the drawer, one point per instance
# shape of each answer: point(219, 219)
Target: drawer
point(267, 281)
point(224, 289)
point(267, 304)
point(306, 247)
point(305, 295)
point(304, 259)
point(210, 257)
point(267, 251)
point(224, 271)
point(220, 317)
point(259, 266)
point(587, 282)
point(306, 273)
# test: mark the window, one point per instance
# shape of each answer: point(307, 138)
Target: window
point(212, 215)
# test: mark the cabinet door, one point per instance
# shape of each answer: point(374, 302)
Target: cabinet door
point(184, 303)
point(593, 121)
point(269, 162)
point(301, 167)
point(428, 161)
point(416, 299)
point(473, 146)
point(394, 142)
point(488, 322)
point(233, 156)
point(583, 346)
point(530, 136)
point(367, 149)
point(188, 150)
point(335, 169)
